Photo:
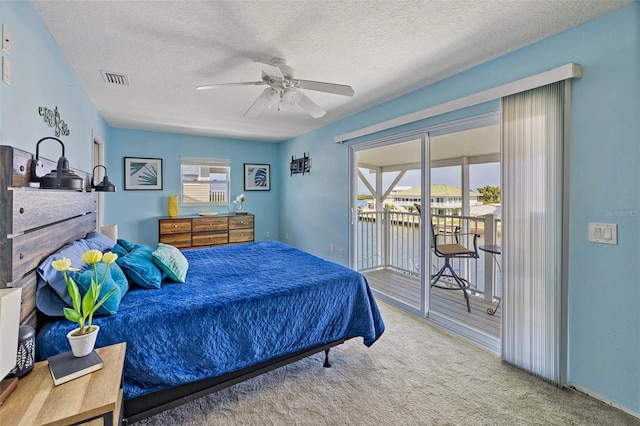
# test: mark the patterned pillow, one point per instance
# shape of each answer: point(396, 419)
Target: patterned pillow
point(171, 261)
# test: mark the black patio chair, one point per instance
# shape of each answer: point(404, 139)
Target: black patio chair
point(449, 251)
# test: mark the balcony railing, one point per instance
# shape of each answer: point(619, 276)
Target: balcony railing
point(391, 240)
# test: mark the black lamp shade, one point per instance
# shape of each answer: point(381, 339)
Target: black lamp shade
point(105, 185)
point(60, 178)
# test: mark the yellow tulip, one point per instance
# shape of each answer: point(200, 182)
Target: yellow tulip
point(91, 256)
point(61, 264)
point(109, 258)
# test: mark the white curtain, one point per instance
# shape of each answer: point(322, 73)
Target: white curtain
point(532, 147)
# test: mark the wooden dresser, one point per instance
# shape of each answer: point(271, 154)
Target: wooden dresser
point(204, 231)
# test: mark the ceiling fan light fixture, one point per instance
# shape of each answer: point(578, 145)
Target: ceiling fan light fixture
point(271, 97)
point(291, 97)
point(285, 91)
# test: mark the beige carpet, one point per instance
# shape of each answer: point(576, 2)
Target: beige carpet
point(414, 375)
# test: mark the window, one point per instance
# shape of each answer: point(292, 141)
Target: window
point(205, 181)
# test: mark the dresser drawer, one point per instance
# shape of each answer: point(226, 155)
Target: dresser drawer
point(241, 222)
point(177, 240)
point(209, 239)
point(240, 235)
point(175, 226)
point(205, 224)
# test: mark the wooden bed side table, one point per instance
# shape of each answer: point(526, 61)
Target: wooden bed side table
point(36, 401)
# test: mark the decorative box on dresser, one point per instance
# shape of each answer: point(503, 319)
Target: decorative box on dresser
point(203, 231)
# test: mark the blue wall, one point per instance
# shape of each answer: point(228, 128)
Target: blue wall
point(312, 210)
point(41, 76)
point(137, 212)
point(604, 280)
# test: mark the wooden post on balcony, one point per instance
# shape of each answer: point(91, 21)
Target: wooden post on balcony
point(386, 236)
point(489, 260)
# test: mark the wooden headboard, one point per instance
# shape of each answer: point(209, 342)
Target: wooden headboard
point(36, 222)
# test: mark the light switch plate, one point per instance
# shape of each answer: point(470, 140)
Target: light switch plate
point(6, 39)
point(6, 70)
point(606, 233)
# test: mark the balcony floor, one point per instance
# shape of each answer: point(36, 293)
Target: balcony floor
point(406, 289)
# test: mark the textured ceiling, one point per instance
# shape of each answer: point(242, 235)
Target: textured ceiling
point(382, 48)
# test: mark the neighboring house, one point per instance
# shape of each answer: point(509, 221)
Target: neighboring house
point(445, 199)
point(312, 211)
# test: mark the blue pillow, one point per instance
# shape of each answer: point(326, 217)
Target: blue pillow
point(171, 261)
point(98, 241)
point(127, 245)
point(139, 268)
point(115, 279)
point(119, 250)
point(52, 295)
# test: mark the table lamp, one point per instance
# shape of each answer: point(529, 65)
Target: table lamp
point(9, 326)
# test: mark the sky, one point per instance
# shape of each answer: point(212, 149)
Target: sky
point(479, 175)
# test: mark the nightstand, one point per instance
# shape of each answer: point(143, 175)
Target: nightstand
point(94, 396)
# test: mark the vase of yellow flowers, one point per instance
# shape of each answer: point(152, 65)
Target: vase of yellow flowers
point(83, 338)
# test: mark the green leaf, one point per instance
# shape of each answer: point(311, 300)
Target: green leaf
point(104, 299)
point(72, 287)
point(72, 315)
point(88, 301)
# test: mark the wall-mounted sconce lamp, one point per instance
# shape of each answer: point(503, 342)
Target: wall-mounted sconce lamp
point(105, 185)
point(60, 178)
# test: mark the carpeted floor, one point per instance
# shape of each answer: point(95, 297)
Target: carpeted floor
point(414, 375)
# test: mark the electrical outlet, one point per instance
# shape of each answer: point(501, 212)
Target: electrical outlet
point(340, 252)
point(266, 234)
point(6, 70)
point(286, 236)
point(6, 39)
point(331, 248)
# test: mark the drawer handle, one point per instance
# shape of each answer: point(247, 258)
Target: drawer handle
point(21, 210)
point(175, 226)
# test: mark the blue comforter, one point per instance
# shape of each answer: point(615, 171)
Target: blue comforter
point(240, 305)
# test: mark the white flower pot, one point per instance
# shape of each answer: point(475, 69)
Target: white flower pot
point(82, 345)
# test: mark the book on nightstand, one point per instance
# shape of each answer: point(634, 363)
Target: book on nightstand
point(65, 367)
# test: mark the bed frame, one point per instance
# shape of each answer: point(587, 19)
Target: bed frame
point(38, 222)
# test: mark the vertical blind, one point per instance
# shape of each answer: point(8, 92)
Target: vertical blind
point(532, 147)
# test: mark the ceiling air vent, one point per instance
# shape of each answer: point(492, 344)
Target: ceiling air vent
point(114, 78)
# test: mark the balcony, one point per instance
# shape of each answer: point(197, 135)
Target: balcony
point(388, 245)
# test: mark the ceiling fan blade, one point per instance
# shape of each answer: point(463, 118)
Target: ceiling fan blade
point(268, 99)
point(256, 108)
point(309, 106)
point(246, 83)
point(319, 86)
point(271, 70)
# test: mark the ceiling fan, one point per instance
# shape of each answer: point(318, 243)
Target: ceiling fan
point(284, 90)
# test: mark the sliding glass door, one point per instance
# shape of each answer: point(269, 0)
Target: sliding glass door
point(386, 225)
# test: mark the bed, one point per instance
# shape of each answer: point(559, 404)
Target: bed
point(243, 310)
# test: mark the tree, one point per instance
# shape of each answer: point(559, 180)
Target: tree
point(490, 194)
